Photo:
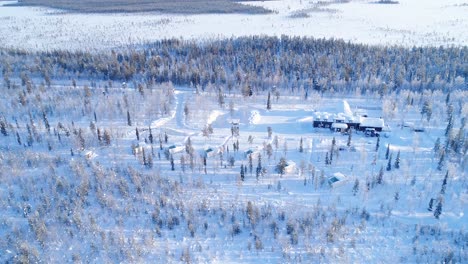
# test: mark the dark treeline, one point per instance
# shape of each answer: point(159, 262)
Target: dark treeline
point(173, 6)
point(252, 64)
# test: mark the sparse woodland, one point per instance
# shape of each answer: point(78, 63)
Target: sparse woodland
point(89, 170)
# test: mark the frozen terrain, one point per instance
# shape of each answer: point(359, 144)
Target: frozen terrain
point(411, 22)
point(70, 194)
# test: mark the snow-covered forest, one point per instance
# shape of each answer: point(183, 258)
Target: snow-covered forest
point(190, 152)
point(223, 131)
point(254, 63)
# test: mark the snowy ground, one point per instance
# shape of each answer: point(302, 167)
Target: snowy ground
point(297, 217)
point(411, 22)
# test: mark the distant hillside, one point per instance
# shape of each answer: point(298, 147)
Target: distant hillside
point(174, 6)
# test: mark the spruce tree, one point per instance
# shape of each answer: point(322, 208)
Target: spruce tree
point(438, 210)
point(150, 137)
point(397, 161)
point(268, 106)
point(437, 146)
point(172, 163)
point(377, 145)
point(129, 120)
point(301, 147)
point(3, 128)
point(349, 138)
point(143, 154)
point(107, 138)
point(356, 187)
point(441, 161)
point(281, 166)
point(137, 134)
point(389, 164)
point(99, 136)
point(242, 174)
point(431, 204)
point(380, 176)
point(388, 152)
point(448, 129)
point(444, 184)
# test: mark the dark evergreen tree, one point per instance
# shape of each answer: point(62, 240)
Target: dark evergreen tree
point(172, 163)
point(270, 131)
point(129, 120)
point(389, 164)
point(3, 128)
point(380, 176)
point(427, 110)
point(107, 138)
point(137, 134)
point(437, 146)
point(327, 161)
point(143, 155)
point(46, 121)
point(431, 204)
point(301, 147)
point(356, 187)
point(18, 138)
point(387, 153)
point(377, 145)
point(448, 130)
point(281, 166)
point(150, 137)
point(242, 173)
point(350, 133)
point(438, 210)
point(397, 160)
point(268, 107)
point(149, 161)
point(444, 184)
point(188, 146)
point(441, 161)
point(99, 136)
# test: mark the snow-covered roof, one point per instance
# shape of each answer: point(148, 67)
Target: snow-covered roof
point(337, 177)
point(330, 116)
point(372, 122)
point(339, 125)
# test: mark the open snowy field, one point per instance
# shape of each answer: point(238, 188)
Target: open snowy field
point(411, 22)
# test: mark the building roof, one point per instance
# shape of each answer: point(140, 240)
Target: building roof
point(372, 122)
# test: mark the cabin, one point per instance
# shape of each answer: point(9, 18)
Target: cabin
point(251, 152)
point(369, 123)
point(337, 179)
point(210, 152)
point(173, 149)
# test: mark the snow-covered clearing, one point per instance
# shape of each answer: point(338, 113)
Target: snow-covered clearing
point(411, 22)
